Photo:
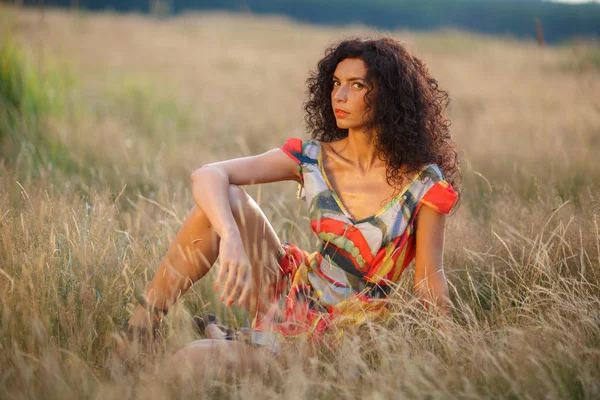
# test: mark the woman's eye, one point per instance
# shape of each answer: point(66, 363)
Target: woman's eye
point(357, 85)
point(336, 83)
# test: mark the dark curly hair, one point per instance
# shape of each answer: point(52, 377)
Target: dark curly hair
point(408, 116)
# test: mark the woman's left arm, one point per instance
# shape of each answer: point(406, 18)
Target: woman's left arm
point(430, 281)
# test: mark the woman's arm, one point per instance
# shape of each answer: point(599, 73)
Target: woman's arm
point(210, 183)
point(430, 281)
point(210, 189)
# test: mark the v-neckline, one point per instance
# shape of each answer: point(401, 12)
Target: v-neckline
point(338, 201)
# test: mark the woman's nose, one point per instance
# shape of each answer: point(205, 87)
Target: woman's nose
point(341, 94)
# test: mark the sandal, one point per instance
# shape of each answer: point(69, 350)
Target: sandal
point(203, 320)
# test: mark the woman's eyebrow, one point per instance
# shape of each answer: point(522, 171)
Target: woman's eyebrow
point(350, 79)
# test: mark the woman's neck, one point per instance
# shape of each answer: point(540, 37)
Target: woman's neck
point(361, 150)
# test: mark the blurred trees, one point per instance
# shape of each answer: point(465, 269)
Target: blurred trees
point(512, 17)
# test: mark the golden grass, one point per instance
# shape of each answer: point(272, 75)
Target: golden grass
point(155, 99)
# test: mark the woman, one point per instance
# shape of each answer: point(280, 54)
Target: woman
point(378, 176)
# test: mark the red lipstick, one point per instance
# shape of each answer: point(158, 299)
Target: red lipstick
point(340, 113)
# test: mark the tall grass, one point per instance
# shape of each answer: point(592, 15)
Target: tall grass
point(30, 97)
point(522, 253)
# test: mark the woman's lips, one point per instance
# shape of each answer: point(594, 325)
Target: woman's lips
point(340, 113)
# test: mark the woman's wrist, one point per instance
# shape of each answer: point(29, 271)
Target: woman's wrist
point(231, 234)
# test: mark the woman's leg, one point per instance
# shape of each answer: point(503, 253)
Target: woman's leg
point(195, 249)
point(206, 358)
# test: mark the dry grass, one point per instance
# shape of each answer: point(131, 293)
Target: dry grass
point(153, 99)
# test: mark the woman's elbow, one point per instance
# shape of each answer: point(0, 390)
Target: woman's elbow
point(199, 173)
point(209, 171)
point(195, 176)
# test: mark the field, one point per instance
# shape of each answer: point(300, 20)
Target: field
point(104, 116)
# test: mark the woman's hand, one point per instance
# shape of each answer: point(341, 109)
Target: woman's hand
point(235, 270)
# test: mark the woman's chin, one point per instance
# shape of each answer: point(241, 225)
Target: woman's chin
point(342, 125)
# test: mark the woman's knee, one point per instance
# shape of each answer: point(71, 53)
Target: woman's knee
point(240, 202)
point(237, 195)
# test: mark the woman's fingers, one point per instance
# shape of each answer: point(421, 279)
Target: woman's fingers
point(242, 277)
point(222, 275)
point(229, 284)
point(245, 295)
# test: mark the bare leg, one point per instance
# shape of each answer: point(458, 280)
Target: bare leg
point(195, 249)
point(213, 332)
point(205, 359)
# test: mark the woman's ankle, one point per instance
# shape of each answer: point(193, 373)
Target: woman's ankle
point(142, 318)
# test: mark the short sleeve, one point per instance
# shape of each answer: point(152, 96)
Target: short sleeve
point(293, 148)
point(441, 197)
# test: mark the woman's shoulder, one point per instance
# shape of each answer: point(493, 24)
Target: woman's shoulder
point(298, 144)
point(310, 150)
point(431, 174)
point(311, 143)
point(433, 190)
point(304, 151)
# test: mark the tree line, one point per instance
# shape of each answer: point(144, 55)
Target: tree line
point(559, 21)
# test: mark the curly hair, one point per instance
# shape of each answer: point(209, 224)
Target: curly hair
point(408, 117)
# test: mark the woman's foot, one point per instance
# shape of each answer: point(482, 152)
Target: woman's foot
point(140, 335)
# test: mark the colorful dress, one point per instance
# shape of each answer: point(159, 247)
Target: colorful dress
point(348, 279)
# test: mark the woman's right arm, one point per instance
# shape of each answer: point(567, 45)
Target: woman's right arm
point(210, 189)
point(210, 183)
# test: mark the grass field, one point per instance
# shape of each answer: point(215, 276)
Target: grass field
point(104, 116)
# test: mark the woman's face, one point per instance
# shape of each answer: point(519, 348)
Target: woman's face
point(348, 94)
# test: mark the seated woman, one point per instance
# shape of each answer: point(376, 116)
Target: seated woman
point(378, 176)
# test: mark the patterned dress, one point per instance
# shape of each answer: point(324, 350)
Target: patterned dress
point(348, 279)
